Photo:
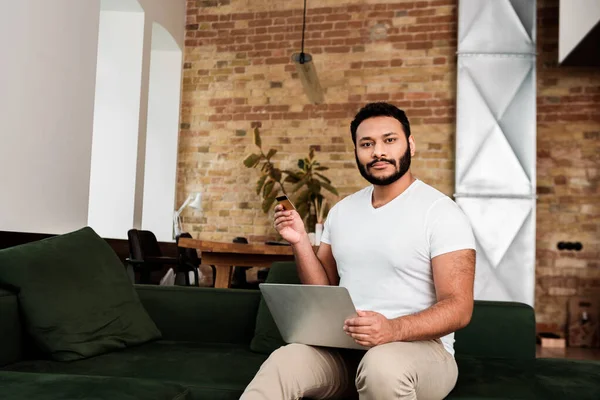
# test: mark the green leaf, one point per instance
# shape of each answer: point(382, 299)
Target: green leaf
point(322, 168)
point(292, 173)
point(301, 163)
point(291, 179)
point(268, 203)
point(260, 183)
point(330, 188)
point(301, 183)
point(315, 187)
point(302, 203)
point(302, 209)
point(326, 179)
point(257, 140)
point(268, 188)
point(311, 154)
point(276, 174)
point(302, 197)
point(271, 153)
point(252, 160)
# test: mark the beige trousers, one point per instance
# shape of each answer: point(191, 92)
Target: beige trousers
point(399, 370)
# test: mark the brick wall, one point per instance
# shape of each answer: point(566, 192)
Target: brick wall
point(238, 75)
point(568, 141)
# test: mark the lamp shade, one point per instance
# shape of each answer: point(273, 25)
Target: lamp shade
point(308, 76)
point(196, 202)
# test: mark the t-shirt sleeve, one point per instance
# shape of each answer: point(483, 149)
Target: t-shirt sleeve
point(326, 235)
point(448, 228)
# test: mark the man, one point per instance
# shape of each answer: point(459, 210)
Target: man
point(405, 252)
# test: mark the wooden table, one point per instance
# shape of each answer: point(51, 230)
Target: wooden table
point(224, 256)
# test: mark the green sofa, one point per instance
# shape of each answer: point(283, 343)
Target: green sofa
point(205, 352)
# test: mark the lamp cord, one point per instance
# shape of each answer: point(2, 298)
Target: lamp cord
point(303, 29)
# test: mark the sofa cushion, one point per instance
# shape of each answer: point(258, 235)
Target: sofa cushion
point(10, 328)
point(75, 296)
point(18, 386)
point(211, 371)
point(266, 337)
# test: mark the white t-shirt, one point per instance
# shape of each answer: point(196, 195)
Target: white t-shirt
point(384, 254)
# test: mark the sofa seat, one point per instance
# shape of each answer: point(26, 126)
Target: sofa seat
point(210, 371)
point(19, 386)
point(222, 371)
point(497, 378)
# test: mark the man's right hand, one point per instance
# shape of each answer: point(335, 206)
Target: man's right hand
point(289, 225)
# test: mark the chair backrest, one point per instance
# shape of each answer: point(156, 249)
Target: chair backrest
point(186, 254)
point(143, 244)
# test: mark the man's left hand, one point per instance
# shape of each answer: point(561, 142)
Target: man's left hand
point(369, 329)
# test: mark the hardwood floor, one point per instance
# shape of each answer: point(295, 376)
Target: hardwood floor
point(575, 353)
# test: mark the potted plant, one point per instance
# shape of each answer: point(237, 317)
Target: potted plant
point(304, 185)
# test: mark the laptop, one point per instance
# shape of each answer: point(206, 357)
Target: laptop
point(311, 314)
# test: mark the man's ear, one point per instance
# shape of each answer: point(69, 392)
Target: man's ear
point(413, 147)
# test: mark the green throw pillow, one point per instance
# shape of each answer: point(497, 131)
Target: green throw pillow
point(75, 296)
point(266, 335)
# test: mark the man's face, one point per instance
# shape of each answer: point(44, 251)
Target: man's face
point(382, 152)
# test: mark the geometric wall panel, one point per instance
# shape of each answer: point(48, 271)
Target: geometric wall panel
point(496, 142)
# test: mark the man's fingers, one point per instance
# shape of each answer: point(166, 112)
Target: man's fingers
point(360, 321)
point(361, 313)
point(364, 329)
point(279, 220)
point(282, 214)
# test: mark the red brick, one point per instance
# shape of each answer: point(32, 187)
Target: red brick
point(378, 96)
point(401, 6)
point(338, 49)
point(338, 17)
point(223, 25)
point(219, 117)
point(421, 12)
point(277, 60)
point(242, 16)
point(419, 45)
point(259, 38)
point(260, 22)
point(400, 38)
point(321, 10)
point(317, 27)
point(381, 14)
point(331, 34)
point(207, 18)
point(418, 95)
point(376, 64)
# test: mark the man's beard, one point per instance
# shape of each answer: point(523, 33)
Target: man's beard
point(402, 166)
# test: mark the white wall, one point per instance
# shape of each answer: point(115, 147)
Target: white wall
point(116, 122)
point(47, 77)
point(47, 92)
point(161, 134)
point(576, 19)
point(170, 15)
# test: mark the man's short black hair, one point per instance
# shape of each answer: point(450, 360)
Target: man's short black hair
point(379, 109)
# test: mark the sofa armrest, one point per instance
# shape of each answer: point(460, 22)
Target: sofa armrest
point(10, 329)
point(498, 329)
point(201, 314)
